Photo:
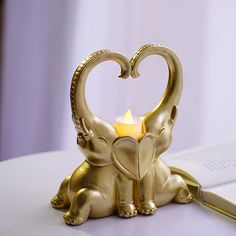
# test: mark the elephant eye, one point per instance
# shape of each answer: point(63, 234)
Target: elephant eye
point(171, 122)
point(103, 139)
point(173, 113)
point(161, 130)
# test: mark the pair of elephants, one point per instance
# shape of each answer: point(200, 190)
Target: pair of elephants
point(122, 175)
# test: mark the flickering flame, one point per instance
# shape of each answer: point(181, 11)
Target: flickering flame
point(128, 118)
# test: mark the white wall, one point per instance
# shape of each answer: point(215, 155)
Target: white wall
point(36, 75)
point(45, 40)
point(220, 78)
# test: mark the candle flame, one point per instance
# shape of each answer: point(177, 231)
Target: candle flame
point(128, 118)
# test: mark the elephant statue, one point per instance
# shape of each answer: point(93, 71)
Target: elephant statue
point(122, 175)
point(159, 187)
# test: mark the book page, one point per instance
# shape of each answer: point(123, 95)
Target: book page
point(208, 165)
point(226, 191)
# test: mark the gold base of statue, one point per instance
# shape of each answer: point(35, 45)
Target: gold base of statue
point(122, 175)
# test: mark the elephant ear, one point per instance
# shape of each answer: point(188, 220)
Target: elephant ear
point(146, 153)
point(133, 158)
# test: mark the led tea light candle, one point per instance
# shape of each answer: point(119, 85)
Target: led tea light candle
point(129, 125)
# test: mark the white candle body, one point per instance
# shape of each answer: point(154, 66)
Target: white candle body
point(129, 127)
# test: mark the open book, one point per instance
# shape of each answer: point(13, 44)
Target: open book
point(210, 173)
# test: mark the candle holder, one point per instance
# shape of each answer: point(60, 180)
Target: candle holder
point(121, 174)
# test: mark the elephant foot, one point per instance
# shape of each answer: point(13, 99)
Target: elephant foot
point(183, 196)
point(127, 211)
point(147, 208)
point(73, 220)
point(58, 203)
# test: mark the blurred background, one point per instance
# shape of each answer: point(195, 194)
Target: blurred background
point(43, 41)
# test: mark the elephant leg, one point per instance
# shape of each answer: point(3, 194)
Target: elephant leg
point(125, 197)
point(87, 203)
point(183, 194)
point(174, 189)
point(145, 195)
point(61, 200)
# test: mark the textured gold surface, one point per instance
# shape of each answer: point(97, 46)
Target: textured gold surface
point(122, 175)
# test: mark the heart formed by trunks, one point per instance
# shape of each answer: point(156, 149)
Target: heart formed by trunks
point(122, 175)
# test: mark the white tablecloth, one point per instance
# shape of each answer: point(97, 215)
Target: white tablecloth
point(28, 183)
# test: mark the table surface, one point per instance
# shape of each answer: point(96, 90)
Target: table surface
point(28, 183)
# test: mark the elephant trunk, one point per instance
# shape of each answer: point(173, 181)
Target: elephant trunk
point(173, 90)
point(79, 105)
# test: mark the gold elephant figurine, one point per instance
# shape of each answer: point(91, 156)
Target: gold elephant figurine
point(159, 186)
point(121, 174)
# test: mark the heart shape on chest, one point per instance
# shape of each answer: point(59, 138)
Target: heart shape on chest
point(133, 158)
